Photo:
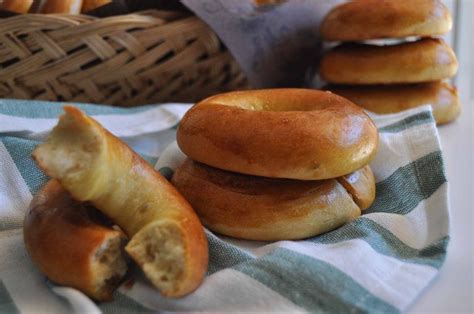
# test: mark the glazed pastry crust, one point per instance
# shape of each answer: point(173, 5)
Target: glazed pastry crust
point(257, 208)
point(17, 6)
point(62, 6)
point(71, 245)
point(374, 19)
point(383, 99)
point(89, 5)
point(421, 61)
point(279, 133)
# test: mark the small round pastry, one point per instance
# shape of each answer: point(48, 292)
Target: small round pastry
point(62, 6)
point(279, 133)
point(425, 60)
point(266, 209)
point(16, 6)
point(89, 5)
point(374, 19)
point(384, 99)
point(71, 245)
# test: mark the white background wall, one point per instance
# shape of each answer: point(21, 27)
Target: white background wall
point(461, 39)
point(464, 46)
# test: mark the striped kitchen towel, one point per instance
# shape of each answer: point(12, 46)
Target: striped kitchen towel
point(380, 262)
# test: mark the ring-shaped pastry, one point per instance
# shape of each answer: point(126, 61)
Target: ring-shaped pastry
point(281, 133)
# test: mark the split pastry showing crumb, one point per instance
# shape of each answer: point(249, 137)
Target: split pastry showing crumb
point(167, 239)
point(70, 244)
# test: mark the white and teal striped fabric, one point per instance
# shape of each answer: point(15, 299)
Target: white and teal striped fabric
point(380, 262)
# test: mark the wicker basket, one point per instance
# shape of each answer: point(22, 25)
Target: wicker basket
point(128, 60)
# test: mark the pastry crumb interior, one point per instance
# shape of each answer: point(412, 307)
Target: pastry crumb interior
point(158, 249)
point(109, 264)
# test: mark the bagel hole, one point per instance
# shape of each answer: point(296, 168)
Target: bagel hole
point(159, 251)
point(254, 103)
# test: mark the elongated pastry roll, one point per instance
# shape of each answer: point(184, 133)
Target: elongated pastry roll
point(166, 238)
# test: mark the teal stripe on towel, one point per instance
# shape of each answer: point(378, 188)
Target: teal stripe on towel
point(20, 150)
point(404, 189)
point(51, 110)
point(315, 285)
point(224, 255)
point(7, 305)
point(423, 117)
point(385, 242)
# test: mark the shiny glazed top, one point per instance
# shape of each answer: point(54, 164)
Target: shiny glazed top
point(283, 133)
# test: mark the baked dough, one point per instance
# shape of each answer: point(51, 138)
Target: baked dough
point(17, 6)
point(166, 237)
point(70, 244)
point(258, 208)
point(412, 62)
point(62, 6)
point(281, 133)
point(361, 185)
point(374, 19)
point(384, 99)
point(89, 5)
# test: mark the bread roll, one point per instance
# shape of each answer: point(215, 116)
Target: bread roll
point(414, 62)
point(62, 6)
point(166, 237)
point(71, 246)
point(280, 133)
point(395, 98)
point(16, 6)
point(89, 5)
point(361, 185)
point(374, 19)
point(258, 208)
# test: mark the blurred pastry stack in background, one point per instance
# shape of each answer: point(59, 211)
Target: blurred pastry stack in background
point(51, 6)
point(389, 59)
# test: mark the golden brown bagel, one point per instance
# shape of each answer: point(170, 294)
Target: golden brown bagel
point(361, 185)
point(17, 6)
point(258, 208)
point(413, 62)
point(395, 98)
point(281, 133)
point(166, 237)
point(70, 245)
point(62, 6)
point(373, 19)
point(89, 5)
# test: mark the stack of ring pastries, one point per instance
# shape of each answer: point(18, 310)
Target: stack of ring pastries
point(276, 164)
point(392, 77)
point(89, 164)
point(52, 6)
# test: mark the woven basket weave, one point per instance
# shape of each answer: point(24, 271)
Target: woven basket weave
point(127, 60)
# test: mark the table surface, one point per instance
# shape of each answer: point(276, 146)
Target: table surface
point(453, 290)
